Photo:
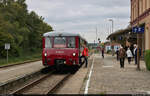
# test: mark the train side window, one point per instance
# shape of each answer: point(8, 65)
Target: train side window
point(48, 42)
point(71, 42)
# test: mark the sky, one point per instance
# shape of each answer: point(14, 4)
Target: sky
point(83, 16)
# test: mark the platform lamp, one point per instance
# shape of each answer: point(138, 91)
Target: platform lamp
point(112, 47)
point(112, 24)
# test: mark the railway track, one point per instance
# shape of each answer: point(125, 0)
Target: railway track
point(47, 84)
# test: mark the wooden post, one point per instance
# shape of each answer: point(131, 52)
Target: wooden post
point(138, 40)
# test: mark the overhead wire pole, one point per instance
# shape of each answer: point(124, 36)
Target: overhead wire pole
point(110, 29)
point(138, 41)
point(96, 34)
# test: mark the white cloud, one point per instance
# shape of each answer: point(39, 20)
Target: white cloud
point(82, 16)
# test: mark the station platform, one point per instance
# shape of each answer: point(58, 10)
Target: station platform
point(108, 78)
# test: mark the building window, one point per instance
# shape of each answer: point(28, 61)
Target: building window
point(140, 6)
point(145, 4)
point(148, 4)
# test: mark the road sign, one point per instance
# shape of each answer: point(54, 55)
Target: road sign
point(138, 30)
point(7, 46)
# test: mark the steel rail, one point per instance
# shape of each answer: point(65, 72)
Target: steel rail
point(59, 84)
point(30, 85)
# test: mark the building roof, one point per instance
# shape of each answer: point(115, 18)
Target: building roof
point(119, 32)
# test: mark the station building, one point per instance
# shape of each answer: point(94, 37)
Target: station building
point(143, 17)
point(140, 15)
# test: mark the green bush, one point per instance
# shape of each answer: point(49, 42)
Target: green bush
point(147, 59)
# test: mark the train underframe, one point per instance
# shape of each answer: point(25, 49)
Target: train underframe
point(61, 65)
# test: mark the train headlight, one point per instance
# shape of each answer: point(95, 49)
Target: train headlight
point(74, 54)
point(45, 54)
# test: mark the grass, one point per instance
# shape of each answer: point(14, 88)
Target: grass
point(21, 59)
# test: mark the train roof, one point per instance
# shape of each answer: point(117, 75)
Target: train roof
point(53, 33)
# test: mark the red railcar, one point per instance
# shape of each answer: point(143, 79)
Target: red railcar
point(62, 49)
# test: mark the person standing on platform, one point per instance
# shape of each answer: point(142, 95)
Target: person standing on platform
point(122, 55)
point(85, 55)
point(129, 55)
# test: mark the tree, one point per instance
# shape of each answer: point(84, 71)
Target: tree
point(20, 28)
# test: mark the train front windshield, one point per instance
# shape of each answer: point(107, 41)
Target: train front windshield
point(60, 42)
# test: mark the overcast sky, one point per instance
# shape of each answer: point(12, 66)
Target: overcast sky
point(83, 16)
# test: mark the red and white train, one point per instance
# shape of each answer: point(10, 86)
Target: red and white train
point(62, 49)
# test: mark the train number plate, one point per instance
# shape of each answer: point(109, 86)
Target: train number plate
point(59, 52)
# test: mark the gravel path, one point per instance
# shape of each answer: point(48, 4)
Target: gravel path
point(109, 78)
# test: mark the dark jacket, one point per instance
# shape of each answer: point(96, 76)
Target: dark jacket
point(136, 52)
point(122, 53)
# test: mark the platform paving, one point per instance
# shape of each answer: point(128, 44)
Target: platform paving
point(14, 72)
point(108, 78)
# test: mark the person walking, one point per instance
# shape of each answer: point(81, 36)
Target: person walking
point(117, 53)
point(122, 55)
point(113, 52)
point(103, 52)
point(129, 55)
point(84, 55)
point(135, 53)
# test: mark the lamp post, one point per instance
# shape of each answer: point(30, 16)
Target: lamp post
point(112, 47)
point(96, 35)
point(112, 24)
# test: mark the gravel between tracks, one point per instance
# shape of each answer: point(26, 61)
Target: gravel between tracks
point(45, 86)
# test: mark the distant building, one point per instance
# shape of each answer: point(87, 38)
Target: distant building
point(93, 45)
point(144, 20)
point(110, 46)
